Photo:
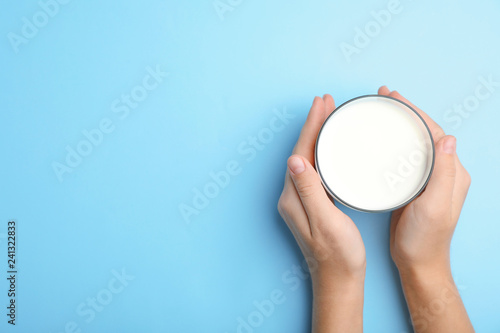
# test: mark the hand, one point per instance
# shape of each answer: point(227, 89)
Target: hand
point(328, 238)
point(421, 234)
point(421, 231)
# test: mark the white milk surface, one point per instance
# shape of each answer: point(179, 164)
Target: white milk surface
point(374, 153)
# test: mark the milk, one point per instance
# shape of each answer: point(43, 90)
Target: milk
point(374, 153)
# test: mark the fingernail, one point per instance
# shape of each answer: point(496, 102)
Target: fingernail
point(296, 165)
point(450, 145)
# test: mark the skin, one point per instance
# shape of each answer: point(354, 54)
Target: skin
point(420, 239)
point(421, 234)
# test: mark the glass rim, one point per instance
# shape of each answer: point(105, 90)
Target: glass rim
point(332, 193)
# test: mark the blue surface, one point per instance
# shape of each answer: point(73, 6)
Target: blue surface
point(228, 75)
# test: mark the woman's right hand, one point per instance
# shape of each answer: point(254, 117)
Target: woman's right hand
point(421, 231)
point(421, 234)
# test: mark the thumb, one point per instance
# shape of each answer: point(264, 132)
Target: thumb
point(308, 185)
point(439, 190)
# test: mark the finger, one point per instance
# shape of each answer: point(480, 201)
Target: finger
point(439, 190)
point(329, 104)
point(436, 130)
point(393, 225)
point(291, 205)
point(315, 201)
point(462, 184)
point(384, 91)
point(307, 138)
point(307, 132)
point(463, 179)
point(295, 218)
point(292, 211)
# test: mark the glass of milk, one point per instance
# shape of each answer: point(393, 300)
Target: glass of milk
point(374, 154)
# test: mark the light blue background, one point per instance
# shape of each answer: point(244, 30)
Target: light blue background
point(120, 207)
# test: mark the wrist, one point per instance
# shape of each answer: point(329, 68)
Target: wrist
point(437, 264)
point(337, 301)
point(326, 273)
point(336, 281)
point(433, 300)
point(426, 277)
